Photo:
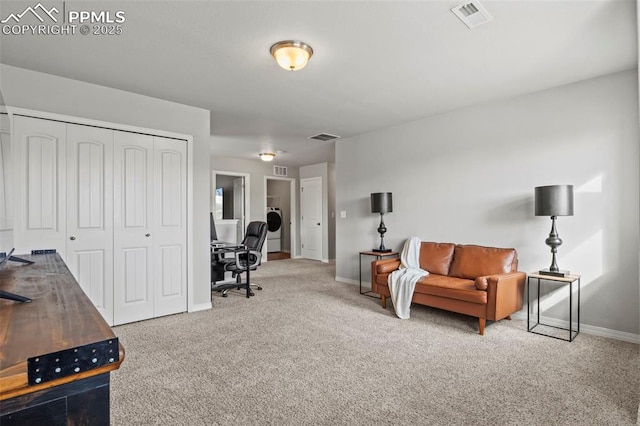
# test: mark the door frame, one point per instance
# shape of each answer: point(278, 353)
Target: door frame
point(324, 229)
point(293, 232)
point(247, 192)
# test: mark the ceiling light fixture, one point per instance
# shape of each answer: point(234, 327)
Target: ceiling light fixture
point(267, 156)
point(292, 55)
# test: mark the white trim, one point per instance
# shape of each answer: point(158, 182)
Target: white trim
point(136, 129)
point(201, 307)
point(584, 328)
point(294, 215)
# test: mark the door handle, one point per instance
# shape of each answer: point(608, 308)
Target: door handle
point(318, 223)
point(72, 238)
point(147, 234)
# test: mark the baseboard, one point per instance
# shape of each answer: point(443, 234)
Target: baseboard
point(201, 307)
point(347, 280)
point(585, 328)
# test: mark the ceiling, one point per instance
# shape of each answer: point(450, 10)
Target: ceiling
point(376, 64)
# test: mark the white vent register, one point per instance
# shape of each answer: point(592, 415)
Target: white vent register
point(472, 13)
point(280, 171)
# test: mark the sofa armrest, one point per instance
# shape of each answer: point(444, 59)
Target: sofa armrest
point(505, 294)
point(381, 269)
point(385, 266)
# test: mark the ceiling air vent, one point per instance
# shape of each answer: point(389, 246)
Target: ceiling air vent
point(324, 137)
point(472, 14)
point(279, 171)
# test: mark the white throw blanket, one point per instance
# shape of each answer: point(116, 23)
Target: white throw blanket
point(403, 281)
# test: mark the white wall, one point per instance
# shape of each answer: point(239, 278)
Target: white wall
point(44, 92)
point(468, 177)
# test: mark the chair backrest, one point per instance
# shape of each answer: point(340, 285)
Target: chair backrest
point(255, 235)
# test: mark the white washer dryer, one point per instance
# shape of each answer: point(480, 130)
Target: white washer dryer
point(274, 229)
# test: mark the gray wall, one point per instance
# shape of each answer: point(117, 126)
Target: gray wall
point(43, 92)
point(468, 176)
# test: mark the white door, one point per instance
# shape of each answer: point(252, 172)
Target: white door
point(6, 182)
point(39, 180)
point(311, 226)
point(170, 226)
point(132, 227)
point(89, 254)
point(238, 206)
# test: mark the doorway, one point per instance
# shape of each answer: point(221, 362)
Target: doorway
point(280, 214)
point(229, 203)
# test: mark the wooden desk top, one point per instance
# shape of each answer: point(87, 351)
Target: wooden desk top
point(60, 317)
point(379, 253)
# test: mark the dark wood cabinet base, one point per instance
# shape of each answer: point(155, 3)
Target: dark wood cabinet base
point(83, 402)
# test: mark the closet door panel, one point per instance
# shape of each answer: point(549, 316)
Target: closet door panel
point(90, 213)
point(133, 227)
point(39, 179)
point(170, 186)
point(6, 181)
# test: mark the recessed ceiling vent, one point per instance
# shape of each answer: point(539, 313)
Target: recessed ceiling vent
point(324, 137)
point(472, 14)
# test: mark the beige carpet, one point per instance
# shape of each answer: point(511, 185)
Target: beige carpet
point(308, 350)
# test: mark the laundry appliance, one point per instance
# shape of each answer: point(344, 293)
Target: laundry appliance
point(274, 228)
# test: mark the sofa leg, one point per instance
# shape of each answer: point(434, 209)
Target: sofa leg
point(384, 301)
point(481, 323)
point(509, 317)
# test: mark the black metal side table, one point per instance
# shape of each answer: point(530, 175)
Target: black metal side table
point(378, 255)
point(569, 279)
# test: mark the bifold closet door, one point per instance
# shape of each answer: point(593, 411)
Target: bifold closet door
point(149, 227)
point(170, 225)
point(39, 182)
point(6, 183)
point(133, 224)
point(90, 213)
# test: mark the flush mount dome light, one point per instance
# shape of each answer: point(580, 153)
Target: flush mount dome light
point(292, 55)
point(267, 156)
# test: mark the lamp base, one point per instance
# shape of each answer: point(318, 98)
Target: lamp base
point(551, 273)
point(377, 250)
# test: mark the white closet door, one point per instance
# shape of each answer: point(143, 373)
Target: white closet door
point(133, 227)
point(40, 184)
point(90, 213)
point(6, 182)
point(170, 230)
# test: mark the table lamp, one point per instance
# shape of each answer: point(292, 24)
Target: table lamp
point(554, 201)
point(382, 202)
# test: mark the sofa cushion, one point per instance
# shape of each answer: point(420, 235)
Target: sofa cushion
point(470, 261)
point(452, 288)
point(436, 257)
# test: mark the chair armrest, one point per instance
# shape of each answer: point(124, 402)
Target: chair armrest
point(505, 294)
point(251, 259)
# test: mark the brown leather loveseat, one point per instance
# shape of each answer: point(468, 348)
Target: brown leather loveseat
point(474, 280)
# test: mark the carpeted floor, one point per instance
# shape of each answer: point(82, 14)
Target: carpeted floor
point(308, 350)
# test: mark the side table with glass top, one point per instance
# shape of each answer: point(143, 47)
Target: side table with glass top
point(568, 279)
point(378, 255)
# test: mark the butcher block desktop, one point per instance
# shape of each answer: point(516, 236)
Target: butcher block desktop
point(56, 352)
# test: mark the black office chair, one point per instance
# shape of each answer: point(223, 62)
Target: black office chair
point(238, 261)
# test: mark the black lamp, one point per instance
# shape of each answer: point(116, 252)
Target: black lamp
point(382, 202)
point(554, 201)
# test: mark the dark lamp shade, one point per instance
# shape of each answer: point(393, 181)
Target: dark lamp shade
point(554, 200)
point(381, 202)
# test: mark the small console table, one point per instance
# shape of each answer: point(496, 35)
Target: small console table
point(378, 255)
point(569, 279)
